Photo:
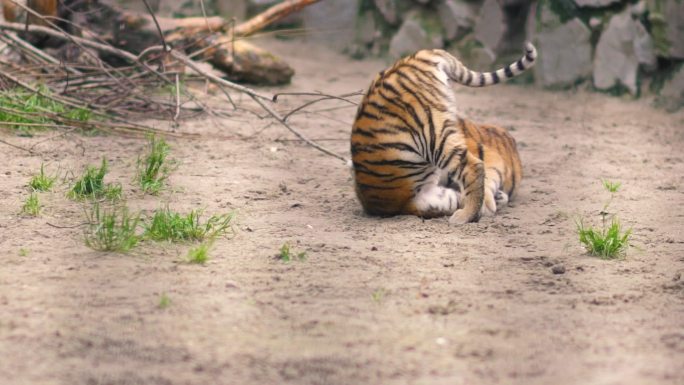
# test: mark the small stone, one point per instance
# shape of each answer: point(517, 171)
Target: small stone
point(558, 269)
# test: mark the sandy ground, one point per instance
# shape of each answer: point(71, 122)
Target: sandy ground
point(377, 301)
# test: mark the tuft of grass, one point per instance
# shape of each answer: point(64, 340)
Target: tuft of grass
point(91, 185)
point(112, 229)
point(154, 168)
point(378, 295)
point(199, 255)
point(167, 225)
point(31, 111)
point(42, 181)
point(611, 187)
point(164, 301)
point(606, 243)
point(286, 253)
point(23, 252)
point(31, 205)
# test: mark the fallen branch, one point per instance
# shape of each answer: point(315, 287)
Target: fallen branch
point(271, 15)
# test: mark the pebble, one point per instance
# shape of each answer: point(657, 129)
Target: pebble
point(558, 269)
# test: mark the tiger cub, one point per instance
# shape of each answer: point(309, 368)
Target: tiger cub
point(413, 154)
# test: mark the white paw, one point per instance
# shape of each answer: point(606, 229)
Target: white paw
point(459, 217)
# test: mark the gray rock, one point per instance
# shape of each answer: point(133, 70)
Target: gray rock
point(558, 269)
point(644, 48)
point(671, 96)
point(366, 28)
point(389, 10)
point(595, 3)
point(674, 19)
point(476, 58)
point(457, 18)
point(412, 36)
point(490, 29)
point(565, 54)
point(616, 60)
point(317, 17)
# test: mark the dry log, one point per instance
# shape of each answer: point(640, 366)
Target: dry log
point(131, 32)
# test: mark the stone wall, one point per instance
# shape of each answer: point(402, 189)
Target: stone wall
point(617, 46)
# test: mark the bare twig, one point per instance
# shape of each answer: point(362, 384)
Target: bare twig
point(312, 102)
point(17, 147)
point(156, 23)
point(272, 14)
point(282, 121)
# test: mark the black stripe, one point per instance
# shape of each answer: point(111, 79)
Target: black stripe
point(528, 56)
point(495, 77)
point(364, 186)
point(362, 132)
point(480, 151)
point(365, 170)
point(519, 65)
point(396, 162)
point(482, 79)
point(432, 138)
point(357, 148)
point(384, 131)
point(454, 152)
point(513, 176)
point(508, 71)
point(445, 135)
point(469, 79)
point(409, 175)
point(365, 114)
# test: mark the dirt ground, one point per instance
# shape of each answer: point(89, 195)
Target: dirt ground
point(377, 301)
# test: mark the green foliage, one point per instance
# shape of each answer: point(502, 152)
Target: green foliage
point(42, 181)
point(199, 255)
point(611, 187)
point(658, 27)
point(378, 295)
point(167, 225)
point(164, 301)
point(23, 252)
point(154, 169)
point(606, 243)
point(112, 229)
point(286, 254)
point(91, 185)
point(31, 205)
point(29, 111)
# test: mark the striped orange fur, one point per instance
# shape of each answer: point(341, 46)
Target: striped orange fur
point(413, 154)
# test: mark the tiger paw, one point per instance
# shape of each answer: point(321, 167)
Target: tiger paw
point(489, 206)
point(460, 217)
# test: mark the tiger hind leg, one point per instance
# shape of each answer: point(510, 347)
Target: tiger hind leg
point(472, 178)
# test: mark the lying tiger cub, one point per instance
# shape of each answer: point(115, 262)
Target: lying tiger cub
point(413, 154)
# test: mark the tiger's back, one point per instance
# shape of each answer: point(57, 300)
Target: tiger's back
point(411, 152)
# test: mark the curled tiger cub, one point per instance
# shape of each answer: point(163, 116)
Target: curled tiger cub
point(413, 154)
